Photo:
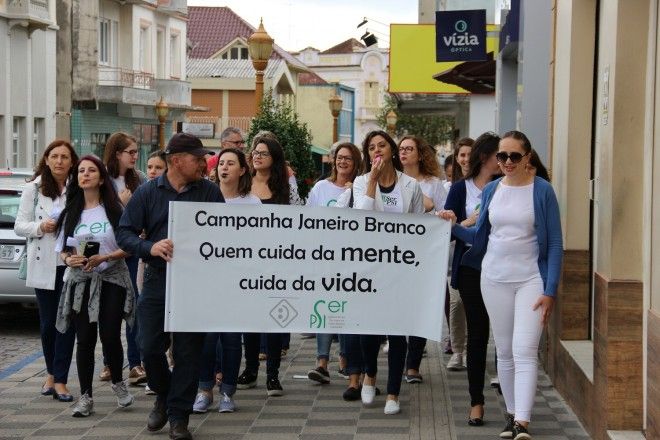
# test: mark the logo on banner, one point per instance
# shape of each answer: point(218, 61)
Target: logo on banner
point(460, 35)
point(283, 313)
point(320, 319)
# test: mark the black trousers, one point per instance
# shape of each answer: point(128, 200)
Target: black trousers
point(416, 347)
point(178, 388)
point(478, 328)
point(111, 312)
point(274, 345)
point(396, 359)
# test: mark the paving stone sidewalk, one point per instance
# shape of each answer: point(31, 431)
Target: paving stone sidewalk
point(436, 409)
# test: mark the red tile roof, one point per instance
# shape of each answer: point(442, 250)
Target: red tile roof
point(212, 28)
point(310, 79)
point(347, 46)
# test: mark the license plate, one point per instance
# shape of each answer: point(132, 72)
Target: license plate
point(8, 252)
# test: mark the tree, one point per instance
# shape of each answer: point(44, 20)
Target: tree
point(435, 129)
point(294, 136)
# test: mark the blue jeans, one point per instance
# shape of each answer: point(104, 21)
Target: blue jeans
point(222, 352)
point(57, 347)
point(353, 354)
point(396, 359)
point(324, 342)
point(178, 388)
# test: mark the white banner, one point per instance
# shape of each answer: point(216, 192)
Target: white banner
point(273, 268)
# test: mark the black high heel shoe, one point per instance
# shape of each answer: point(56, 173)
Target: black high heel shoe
point(476, 421)
point(64, 397)
point(47, 391)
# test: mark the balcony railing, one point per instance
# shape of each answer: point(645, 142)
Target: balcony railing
point(29, 9)
point(242, 122)
point(116, 76)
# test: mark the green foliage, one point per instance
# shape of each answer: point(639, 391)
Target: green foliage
point(435, 129)
point(294, 136)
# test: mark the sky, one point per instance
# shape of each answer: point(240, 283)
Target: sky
point(297, 24)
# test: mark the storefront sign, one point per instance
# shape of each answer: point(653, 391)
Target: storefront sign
point(460, 35)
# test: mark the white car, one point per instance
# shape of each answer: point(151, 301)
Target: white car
point(12, 290)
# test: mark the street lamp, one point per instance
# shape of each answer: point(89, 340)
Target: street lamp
point(260, 46)
point(335, 107)
point(162, 110)
point(391, 118)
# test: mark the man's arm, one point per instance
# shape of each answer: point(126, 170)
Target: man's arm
point(131, 225)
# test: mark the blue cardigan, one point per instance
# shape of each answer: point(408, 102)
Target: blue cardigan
point(548, 233)
point(456, 202)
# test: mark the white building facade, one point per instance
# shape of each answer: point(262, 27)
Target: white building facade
point(27, 80)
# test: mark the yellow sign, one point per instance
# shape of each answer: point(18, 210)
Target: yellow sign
point(412, 59)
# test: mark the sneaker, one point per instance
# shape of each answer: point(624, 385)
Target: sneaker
point(414, 378)
point(520, 432)
point(105, 375)
point(455, 362)
point(137, 376)
point(352, 394)
point(124, 398)
point(392, 407)
point(227, 404)
point(274, 388)
point(148, 391)
point(84, 407)
point(507, 432)
point(320, 375)
point(202, 403)
point(343, 374)
point(246, 380)
point(386, 347)
point(368, 394)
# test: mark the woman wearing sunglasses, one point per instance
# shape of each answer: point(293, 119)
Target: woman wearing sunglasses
point(465, 199)
point(517, 244)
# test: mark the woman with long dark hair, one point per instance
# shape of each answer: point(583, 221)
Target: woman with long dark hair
point(120, 158)
point(384, 188)
point(42, 201)
point(221, 355)
point(98, 292)
point(517, 246)
point(270, 184)
point(465, 200)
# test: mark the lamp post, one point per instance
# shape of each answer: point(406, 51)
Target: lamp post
point(162, 110)
point(391, 118)
point(335, 107)
point(260, 46)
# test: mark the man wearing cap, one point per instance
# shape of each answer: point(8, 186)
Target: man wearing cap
point(148, 211)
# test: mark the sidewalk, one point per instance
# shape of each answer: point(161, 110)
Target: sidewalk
point(436, 409)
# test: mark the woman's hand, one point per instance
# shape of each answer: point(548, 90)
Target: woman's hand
point(546, 303)
point(75, 260)
point(448, 215)
point(48, 226)
point(376, 169)
point(93, 262)
point(125, 196)
point(428, 204)
point(471, 220)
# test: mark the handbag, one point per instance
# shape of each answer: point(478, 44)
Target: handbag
point(22, 267)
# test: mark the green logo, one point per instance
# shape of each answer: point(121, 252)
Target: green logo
point(461, 26)
point(318, 319)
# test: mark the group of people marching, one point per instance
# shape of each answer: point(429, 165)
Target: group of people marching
point(97, 251)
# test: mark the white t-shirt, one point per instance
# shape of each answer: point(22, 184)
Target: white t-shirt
point(513, 249)
point(324, 193)
point(472, 197)
point(93, 226)
point(249, 199)
point(434, 190)
point(392, 201)
point(446, 184)
point(120, 183)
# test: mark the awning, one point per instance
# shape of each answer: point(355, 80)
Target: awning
point(477, 77)
point(319, 150)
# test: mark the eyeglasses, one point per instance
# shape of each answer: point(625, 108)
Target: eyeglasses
point(241, 142)
point(344, 158)
point(256, 153)
point(407, 149)
point(514, 157)
point(131, 152)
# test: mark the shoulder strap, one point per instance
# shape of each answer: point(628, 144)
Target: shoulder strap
point(350, 201)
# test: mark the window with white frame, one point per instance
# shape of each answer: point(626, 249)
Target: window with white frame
point(175, 55)
point(238, 51)
point(37, 139)
point(16, 140)
point(108, 42)
point(145, 48)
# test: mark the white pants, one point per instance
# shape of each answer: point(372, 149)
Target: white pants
point(517, 330)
